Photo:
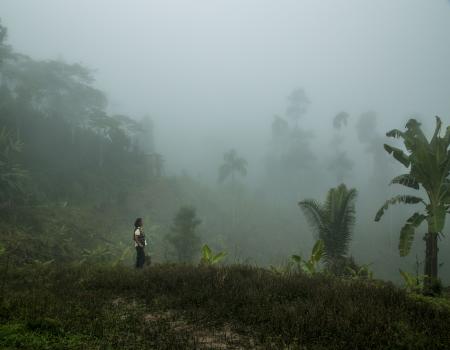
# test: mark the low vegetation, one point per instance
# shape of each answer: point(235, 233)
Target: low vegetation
point(187, 307)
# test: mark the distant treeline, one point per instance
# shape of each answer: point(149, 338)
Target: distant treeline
point(67, 146)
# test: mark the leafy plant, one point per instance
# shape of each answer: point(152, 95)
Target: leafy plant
point(126, 254)
point(311, 265)
point(208, 258)
point(333, 222)
point(361, 272)
point(413, 283)
point(428, 163)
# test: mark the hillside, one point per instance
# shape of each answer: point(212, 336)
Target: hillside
point(186, 307)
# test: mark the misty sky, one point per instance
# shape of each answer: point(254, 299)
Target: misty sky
point(213, 73)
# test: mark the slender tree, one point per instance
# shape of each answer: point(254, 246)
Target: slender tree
point(233, 164)
point(428, 163)
point(333, 222)
point(298, 104)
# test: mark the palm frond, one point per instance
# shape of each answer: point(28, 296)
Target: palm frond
point(314, 214)
point(340, 210)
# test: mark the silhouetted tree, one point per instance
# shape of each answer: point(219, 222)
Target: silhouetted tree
point(341, 119)
point(233, 164)
point(298, 104)
point(184, 237)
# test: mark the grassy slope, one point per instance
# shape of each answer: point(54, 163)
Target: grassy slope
point(184, 307)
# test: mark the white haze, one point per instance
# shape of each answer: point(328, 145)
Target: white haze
point(212, 74)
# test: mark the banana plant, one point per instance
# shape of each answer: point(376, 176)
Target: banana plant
point(208, 258)
point(311, 265)
point(428, 164)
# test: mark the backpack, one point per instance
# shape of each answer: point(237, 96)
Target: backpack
point(141, 237)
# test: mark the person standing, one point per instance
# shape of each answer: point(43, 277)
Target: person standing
point(139, 242)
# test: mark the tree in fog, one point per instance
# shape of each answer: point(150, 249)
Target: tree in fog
point(372, 139)
point(340, 120)
point(428, 164)
point(298, 104)
point(340, 164)
point(184, 237)
point(5, 50)
point(12, 175)
point(232, 165)
point(333, 223)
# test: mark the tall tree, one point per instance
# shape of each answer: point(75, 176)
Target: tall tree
point(298, 104)
point(428, 163)
point(233, 164)
point(341, 119)
point(341, 165)
point(333, 222)
point(5, 50)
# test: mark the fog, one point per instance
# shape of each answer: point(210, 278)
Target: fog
point(213, 74)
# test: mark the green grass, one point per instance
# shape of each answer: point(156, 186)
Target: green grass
point(185, 307)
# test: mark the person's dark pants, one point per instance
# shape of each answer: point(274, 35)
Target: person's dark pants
point(140, 257)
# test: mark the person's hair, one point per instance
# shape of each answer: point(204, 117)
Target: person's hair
point(138, 222)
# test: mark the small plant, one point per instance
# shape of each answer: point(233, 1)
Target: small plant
point(126, 254)
point(414, 284)
point(98, 255)
point(208, 258)
point(361, 272)
point(311, 265)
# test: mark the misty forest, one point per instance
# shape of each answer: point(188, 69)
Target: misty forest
point(224, 174)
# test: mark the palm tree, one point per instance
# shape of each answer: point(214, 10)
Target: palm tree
point(428, 163)
point(333, 222)
point(232, 165)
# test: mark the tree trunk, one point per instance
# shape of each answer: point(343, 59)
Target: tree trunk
point(431, 260)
